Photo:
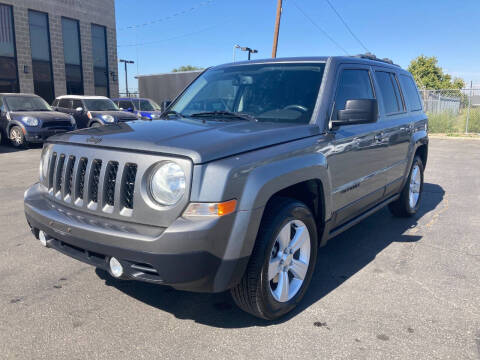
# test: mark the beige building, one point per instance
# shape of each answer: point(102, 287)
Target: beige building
point(58, 47)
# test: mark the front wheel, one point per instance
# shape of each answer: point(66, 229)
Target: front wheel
point(16, 137)
point(409, 201)
point(282, 261)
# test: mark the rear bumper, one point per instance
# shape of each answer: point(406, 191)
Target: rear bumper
point(184, 256)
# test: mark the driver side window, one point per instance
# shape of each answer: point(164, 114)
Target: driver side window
point(352, 84)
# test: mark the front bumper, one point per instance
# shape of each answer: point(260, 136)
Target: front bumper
point(37, 135)
point(186, 255)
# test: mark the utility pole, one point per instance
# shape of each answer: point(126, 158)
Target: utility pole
point(277, 29)
point(126, 76)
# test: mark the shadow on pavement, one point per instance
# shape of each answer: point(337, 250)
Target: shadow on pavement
point(7, 148)
point(337, 262)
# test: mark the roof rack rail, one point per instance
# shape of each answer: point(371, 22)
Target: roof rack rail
point(371, 56)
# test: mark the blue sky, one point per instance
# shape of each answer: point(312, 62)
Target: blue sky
point(203, 32)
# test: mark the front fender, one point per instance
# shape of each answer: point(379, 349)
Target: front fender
point(95, 120)
point(18, 123)
point(252, 178)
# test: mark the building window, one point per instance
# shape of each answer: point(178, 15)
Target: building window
point(100, 60)
point(8, 61)
point(73, 58)
point(41, 59)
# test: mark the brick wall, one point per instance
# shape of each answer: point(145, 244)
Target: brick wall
point(101, 12)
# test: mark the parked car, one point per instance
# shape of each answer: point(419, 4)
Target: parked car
point(27, 118)
point(144, 108)
point(259, 164)
point(91, 111)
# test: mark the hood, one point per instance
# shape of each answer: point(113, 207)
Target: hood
point(198, 140)
point(118, 114)
point(44, 116)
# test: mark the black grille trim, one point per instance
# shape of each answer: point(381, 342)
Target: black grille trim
point(69, 175)
point(51, 170)
point(59, 173)
point(94, 179)
point(82, 170)
point(128, 185)
point(110, 181)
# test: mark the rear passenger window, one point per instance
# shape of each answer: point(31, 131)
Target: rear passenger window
point(411, 93)
point(64, 103)
point(352, 85)
point(392, 102)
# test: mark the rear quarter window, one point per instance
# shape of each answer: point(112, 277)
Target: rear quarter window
point(392, 102)
point(411, 93)
point(64, 103)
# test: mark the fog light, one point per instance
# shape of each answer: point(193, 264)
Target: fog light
point(115, 267)
point(43, 238)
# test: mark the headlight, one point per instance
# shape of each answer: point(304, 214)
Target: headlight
point(167, 183)
point(108, 118)
point(155, 116)
point(30, 121)
point(44, 162)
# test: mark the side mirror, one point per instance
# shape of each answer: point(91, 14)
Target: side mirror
point(357, 111)
point(79, 110)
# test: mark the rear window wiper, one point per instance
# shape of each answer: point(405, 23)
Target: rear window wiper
point(231, 114)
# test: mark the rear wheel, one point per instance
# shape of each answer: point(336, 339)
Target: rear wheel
point(409, 201)
point(282, 261)
point(16, 137)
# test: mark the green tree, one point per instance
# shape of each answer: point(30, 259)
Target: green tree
point(429, 75)
point(186, 68)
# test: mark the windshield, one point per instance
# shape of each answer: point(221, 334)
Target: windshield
point(146, 105)
point(100, 105)
point(268, 92)
point(27, 103)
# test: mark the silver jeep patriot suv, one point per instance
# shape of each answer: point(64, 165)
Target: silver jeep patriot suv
point(252, 169)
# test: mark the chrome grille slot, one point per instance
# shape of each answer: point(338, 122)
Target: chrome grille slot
point(68, 184)
point(59, 174)
point(110, 181)
point(128, 185)
point(94, 179)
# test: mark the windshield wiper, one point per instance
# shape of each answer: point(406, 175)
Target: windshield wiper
point(171, 112)
point(230, 114)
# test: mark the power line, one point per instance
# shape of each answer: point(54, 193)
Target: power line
point(175, 37)
point(346, 25)
point(183, 12)
point(319, 27)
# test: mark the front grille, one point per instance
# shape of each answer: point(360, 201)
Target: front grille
point(57, 124)
point(92, 182)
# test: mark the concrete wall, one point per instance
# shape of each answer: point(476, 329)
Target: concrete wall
point(163, 87)
point(101, 12)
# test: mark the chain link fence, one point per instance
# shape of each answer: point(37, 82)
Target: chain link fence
point(130, 94)
point(452, 111)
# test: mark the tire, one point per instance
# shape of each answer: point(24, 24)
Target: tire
point(17, 138)
point(256, 294)
point(95, 125)
point(405, 206)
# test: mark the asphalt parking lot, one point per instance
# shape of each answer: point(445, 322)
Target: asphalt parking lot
point(386, 289)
